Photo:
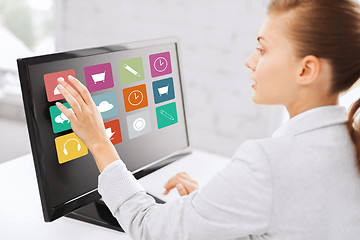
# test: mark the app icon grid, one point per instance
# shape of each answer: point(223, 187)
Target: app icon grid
point(100, 77)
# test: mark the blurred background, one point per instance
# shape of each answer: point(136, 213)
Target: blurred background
point(216, 37)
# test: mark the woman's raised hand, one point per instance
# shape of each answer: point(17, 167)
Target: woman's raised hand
point(183, 183)
point(85, 118)
point(86, 121)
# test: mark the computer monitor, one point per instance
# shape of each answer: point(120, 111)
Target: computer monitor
point(138, 91)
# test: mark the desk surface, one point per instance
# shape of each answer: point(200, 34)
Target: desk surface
point(20, 208)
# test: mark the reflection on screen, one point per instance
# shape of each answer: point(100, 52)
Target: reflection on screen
point(138, 93)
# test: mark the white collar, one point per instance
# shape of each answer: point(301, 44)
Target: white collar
point(312, 119)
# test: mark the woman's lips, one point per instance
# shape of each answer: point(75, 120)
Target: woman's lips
point(254, 84)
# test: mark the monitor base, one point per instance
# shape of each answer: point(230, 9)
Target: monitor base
point(98, 213)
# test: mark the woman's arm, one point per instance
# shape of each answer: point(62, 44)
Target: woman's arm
point(235, 203)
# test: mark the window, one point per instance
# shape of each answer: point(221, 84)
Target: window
point(26, 29)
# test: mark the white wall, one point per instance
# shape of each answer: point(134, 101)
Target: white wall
point(216, 38)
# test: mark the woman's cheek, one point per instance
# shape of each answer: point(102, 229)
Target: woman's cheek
point(261, 72)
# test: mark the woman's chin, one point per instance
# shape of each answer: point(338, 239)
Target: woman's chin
point(258, 100)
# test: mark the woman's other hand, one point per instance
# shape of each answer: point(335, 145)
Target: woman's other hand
point(183, 183)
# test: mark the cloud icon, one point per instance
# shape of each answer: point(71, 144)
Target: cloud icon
point(105, 106)
point(61, 118)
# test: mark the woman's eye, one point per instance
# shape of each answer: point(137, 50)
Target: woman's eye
point(260, 50)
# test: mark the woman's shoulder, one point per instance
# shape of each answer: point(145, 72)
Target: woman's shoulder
point(253, 154)
point(329, 146)
point(261, 147)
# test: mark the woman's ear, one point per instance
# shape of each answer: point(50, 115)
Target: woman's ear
point(309, 70)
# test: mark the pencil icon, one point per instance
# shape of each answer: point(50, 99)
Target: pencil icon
point(165, 114)
point(130, 69)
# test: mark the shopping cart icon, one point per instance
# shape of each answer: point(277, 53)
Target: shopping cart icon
point(99, 77)
point(163, 90)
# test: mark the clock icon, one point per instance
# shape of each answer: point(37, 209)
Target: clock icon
point(135, 97)
point(160, 64)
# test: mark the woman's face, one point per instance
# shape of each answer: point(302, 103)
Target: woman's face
point(274, 65)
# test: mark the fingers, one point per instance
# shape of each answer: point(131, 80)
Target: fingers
point(174, 180)
point(167, 191)
point(172, 184)
point(70, 99)
point(72, 91)
point(67, 112)
point(82, 90)
point(182, 191)
point(187, 184)
point(180, 187)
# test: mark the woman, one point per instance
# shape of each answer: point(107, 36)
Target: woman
point(303, 183)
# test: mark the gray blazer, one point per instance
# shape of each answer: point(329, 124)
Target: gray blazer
point(300, 184)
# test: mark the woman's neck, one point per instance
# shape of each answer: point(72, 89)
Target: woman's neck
point(302, 105)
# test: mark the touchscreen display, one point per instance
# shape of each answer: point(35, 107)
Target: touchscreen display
point(138, 93)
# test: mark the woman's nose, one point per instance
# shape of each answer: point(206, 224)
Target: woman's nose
point(251, 62)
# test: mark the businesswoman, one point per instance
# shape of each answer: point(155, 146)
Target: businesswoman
point(302, 183)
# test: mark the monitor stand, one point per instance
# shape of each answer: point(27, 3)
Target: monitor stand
point(98, 213)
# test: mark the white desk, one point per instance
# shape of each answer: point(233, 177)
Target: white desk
point(20, 208)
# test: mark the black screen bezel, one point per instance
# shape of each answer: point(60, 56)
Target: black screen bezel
point(52, 213)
